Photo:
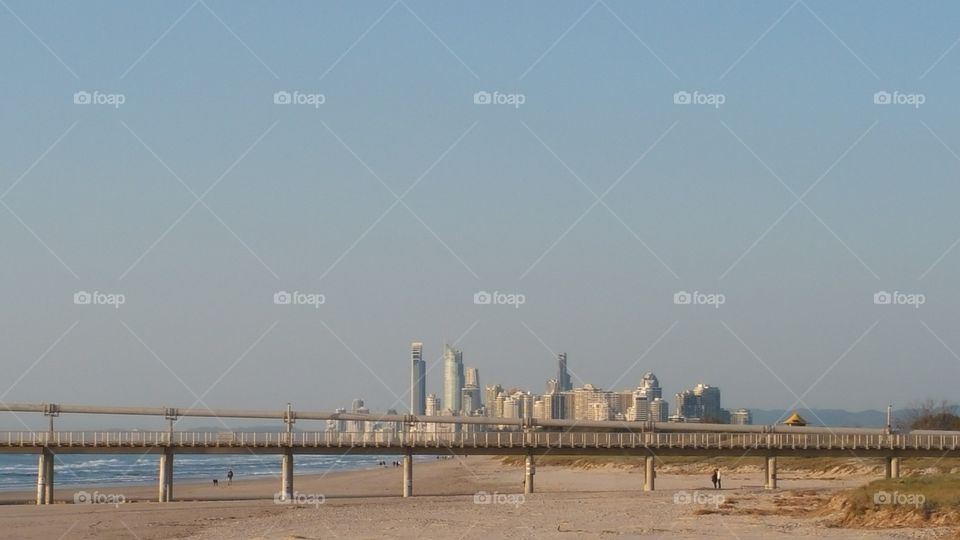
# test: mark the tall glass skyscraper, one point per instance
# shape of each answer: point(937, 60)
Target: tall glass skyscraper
point(563, 376)
point(453, 380)
point(418, 382)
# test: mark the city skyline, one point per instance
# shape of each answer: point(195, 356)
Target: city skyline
point(701, 402)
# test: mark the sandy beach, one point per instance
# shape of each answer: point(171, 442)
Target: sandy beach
point(463, 497)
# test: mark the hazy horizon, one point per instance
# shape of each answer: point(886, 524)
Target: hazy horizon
point(818, 170)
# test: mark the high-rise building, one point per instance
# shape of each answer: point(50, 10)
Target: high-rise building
point(358, 426)
point(418, 380)
point(709, 401)
point(492, 391)
point(563, 376)
point(432, 405)
point(471, 388)
point(584, 400)
point(526, 405)
point(471, 377)
point(511, 407)
point(741, 417)
point(453, 379)
point(539, 411)
point(620, 402)
point(650, 386)
point(554, 405)
point(659, 410)
point(640, 411)
point(470, 397)
point(702, 402)
point(341, 425)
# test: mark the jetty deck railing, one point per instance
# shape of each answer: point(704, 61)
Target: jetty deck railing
point(477, 440)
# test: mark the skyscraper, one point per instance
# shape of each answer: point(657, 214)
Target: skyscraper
point(453, 380)
point(702, 402)
point(471, 389)
point(472, 377)
point(650, 387)
point(563, 376)
point(418, 382)
point(659, 410)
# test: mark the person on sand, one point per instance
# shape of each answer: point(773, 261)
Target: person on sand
point(713, 478)
point(230, 477)
point(719, 480)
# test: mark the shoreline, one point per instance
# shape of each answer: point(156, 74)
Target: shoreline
point(147, 491)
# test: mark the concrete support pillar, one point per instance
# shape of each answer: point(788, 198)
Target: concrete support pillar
point(286, 475)
point(650, 473)
point(531, 470)
point(42, 471)
point(408, 474)
point(51, 459)
point(165, 492)
point(771, 473)
point(895, 467)
point(887, 467)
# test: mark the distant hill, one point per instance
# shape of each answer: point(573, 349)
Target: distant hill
point(827, 417)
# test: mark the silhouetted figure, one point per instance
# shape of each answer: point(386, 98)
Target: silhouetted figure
point(714, 478)
point(230, 477)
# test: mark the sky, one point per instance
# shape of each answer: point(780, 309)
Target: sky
point(149, 154)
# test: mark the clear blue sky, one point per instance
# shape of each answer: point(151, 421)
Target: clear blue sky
point(505, 203)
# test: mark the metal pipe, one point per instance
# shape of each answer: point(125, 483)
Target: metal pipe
point(639, 427)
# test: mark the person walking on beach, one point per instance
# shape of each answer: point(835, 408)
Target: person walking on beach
point(230, 477)
point(713, 478)
point(719, 480)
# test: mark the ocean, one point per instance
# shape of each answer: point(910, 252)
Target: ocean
point(19, 471)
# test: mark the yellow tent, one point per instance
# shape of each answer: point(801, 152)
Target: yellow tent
point(795, 420)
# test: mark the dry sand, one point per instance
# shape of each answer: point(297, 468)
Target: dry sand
point(569, 503)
